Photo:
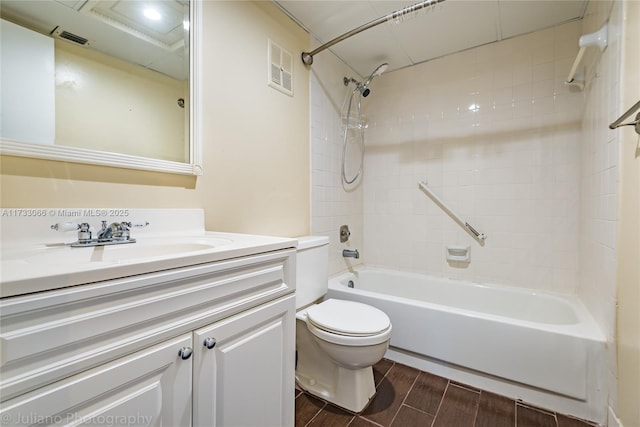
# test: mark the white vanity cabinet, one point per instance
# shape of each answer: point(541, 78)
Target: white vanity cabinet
point(244, 369)
point(204, 345)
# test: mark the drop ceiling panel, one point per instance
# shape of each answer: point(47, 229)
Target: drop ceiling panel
point(431, 35)
point(449, 27)
point(329, 19)
point(166, 30)
point(520, 17)
point(364, 54)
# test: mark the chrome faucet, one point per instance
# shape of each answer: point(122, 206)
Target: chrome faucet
point(348, 253)
point(105, 232)
point(116, 233)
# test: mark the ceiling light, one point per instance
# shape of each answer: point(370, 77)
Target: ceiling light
point(152, 14)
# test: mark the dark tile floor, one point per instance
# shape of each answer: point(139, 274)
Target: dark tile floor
point(407, 397)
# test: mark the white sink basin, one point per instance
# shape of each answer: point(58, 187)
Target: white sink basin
point(121, 253)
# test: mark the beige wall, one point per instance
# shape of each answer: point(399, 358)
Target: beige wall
point(628, 271)
point(256, 140)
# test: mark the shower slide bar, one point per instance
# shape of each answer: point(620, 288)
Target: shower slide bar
point(629, 112)
point(398, 15)
point(438, 201)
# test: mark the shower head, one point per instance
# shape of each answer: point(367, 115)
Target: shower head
point(381, 69)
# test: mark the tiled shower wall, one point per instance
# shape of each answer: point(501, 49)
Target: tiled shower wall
point(496, 134)
point(332, 205)
point(599, 178)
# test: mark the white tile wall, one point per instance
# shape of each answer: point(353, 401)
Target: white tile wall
point(496, 134)
point(331, 204)
point(599, 178)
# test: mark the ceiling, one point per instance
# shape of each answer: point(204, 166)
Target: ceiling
point(116, 27)
point(442, 29)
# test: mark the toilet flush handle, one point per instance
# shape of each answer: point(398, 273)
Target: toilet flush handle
point(209, 342)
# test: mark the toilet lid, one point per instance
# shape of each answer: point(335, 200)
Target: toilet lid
point(348, 318)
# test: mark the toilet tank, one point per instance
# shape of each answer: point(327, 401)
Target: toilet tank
point(312, 269)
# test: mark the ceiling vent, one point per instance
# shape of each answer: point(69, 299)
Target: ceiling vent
point(280, 69)
point(68, 36)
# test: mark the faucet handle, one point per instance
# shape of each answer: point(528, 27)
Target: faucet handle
point(84, 229)
point(65, 226)
point(137, 224)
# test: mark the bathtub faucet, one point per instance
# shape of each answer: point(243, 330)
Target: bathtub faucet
point(348, 253)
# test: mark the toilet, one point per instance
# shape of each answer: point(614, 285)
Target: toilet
point(337, 341)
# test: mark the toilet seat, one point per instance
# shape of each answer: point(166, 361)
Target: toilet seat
point(348, 323)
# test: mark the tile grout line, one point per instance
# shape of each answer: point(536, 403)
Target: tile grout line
point(405, 398)
point(435, 416)
point(475, 416)
point(317, 413)
point(366, 419)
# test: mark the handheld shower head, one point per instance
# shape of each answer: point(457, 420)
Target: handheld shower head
point(381, 69)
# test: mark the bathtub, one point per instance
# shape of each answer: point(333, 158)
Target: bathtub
point(541, 347)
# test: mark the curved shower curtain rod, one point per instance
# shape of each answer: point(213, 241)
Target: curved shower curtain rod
point(307, 57)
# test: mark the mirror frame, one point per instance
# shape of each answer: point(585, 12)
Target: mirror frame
point(104, 158)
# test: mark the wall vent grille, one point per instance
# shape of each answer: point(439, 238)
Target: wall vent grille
point(280, 68)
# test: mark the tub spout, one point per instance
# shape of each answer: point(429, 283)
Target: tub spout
point(348, 253)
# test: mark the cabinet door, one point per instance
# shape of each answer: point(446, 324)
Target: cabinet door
point(244, 368)
point(149, 388)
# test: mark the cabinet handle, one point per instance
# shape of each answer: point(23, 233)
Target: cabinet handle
point(185, 352)
point(209, 342)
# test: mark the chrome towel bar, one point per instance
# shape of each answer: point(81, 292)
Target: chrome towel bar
point(476, 234)
point(629, 112)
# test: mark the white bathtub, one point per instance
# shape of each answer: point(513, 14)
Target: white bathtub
point(541, 347)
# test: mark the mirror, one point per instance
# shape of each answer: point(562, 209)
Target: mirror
point(104, 82)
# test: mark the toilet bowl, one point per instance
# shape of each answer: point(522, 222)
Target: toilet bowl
point(337, 342)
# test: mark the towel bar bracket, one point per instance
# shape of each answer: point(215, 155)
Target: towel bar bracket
point(636, 123)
